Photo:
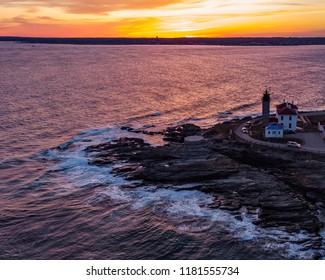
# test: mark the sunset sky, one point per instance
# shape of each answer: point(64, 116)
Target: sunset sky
point(163, 18)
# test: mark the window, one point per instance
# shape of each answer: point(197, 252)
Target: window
point(279, 132)
point(281, 118)
point(290, 118)
point(269, 132)
point(289, 125)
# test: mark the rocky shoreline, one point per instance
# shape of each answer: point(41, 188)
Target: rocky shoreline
point(283, 189)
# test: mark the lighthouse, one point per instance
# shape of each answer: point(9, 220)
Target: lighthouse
point(266, 107)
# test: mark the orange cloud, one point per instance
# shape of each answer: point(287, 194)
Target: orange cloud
point(164, 18)
point(46, 26)
point(91, 6)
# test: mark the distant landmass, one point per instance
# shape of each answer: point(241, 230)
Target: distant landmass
point(270, 41)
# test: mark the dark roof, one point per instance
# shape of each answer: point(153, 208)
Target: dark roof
point(286, 104)
point(286, 111)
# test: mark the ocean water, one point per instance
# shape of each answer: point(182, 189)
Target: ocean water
point(57, 99)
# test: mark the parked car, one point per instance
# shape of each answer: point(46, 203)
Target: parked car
point(293, 144)
point(244, 130)
point(248, 124)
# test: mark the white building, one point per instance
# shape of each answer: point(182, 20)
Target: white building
point(287, 115)
point(274, 130)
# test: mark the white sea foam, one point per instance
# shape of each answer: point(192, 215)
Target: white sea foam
point(188, 204)
point(74, 163)
point(113, 193)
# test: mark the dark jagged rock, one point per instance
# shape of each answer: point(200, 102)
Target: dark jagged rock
point(122, 143)
point(178, 133)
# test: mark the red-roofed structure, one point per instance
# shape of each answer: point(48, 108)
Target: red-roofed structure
point(287, 115)
point(287, 105)
point(286, 111)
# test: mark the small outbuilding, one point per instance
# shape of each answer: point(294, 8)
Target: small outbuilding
point(321, 127)
point(274, 130)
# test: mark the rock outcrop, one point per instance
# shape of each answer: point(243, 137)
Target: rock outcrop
point(282, 188)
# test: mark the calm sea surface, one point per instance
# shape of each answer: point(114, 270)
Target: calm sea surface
point(53, 205)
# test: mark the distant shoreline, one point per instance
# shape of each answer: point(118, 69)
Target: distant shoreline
point(253, 41)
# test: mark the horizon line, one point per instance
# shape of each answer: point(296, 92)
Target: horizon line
point(157, 37)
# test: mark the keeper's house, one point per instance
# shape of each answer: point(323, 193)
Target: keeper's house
point(287, 115)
